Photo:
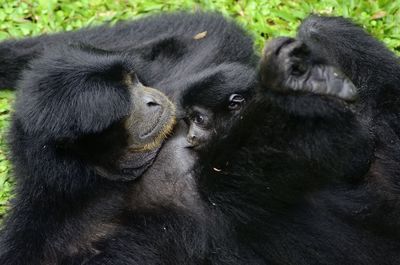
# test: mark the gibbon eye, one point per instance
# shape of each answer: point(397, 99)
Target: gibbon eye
point(235, 101)
point(198, 118)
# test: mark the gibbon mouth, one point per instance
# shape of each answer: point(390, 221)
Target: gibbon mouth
point(163, 127)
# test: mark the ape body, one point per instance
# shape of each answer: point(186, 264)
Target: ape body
point(73, 111)
point(296, 175)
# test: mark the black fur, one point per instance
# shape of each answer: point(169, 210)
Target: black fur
point(323, 172)
point(297, 178)
point(166, 44)
point(69, 112)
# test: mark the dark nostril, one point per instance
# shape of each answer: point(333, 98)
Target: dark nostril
point(192, 139)
point(150, 101)
point(152, 104)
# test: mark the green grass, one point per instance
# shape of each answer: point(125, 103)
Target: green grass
point(265, 19)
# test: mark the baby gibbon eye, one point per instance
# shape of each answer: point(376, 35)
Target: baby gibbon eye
point(198, 118)
point(235, 102)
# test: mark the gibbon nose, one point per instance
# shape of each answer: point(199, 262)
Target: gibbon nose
point(150, 101)
point(192, 140)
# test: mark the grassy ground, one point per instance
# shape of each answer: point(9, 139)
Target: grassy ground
point(264, 18)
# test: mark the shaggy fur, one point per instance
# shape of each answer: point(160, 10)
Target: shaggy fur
point(68, 119)
point(295, 178)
